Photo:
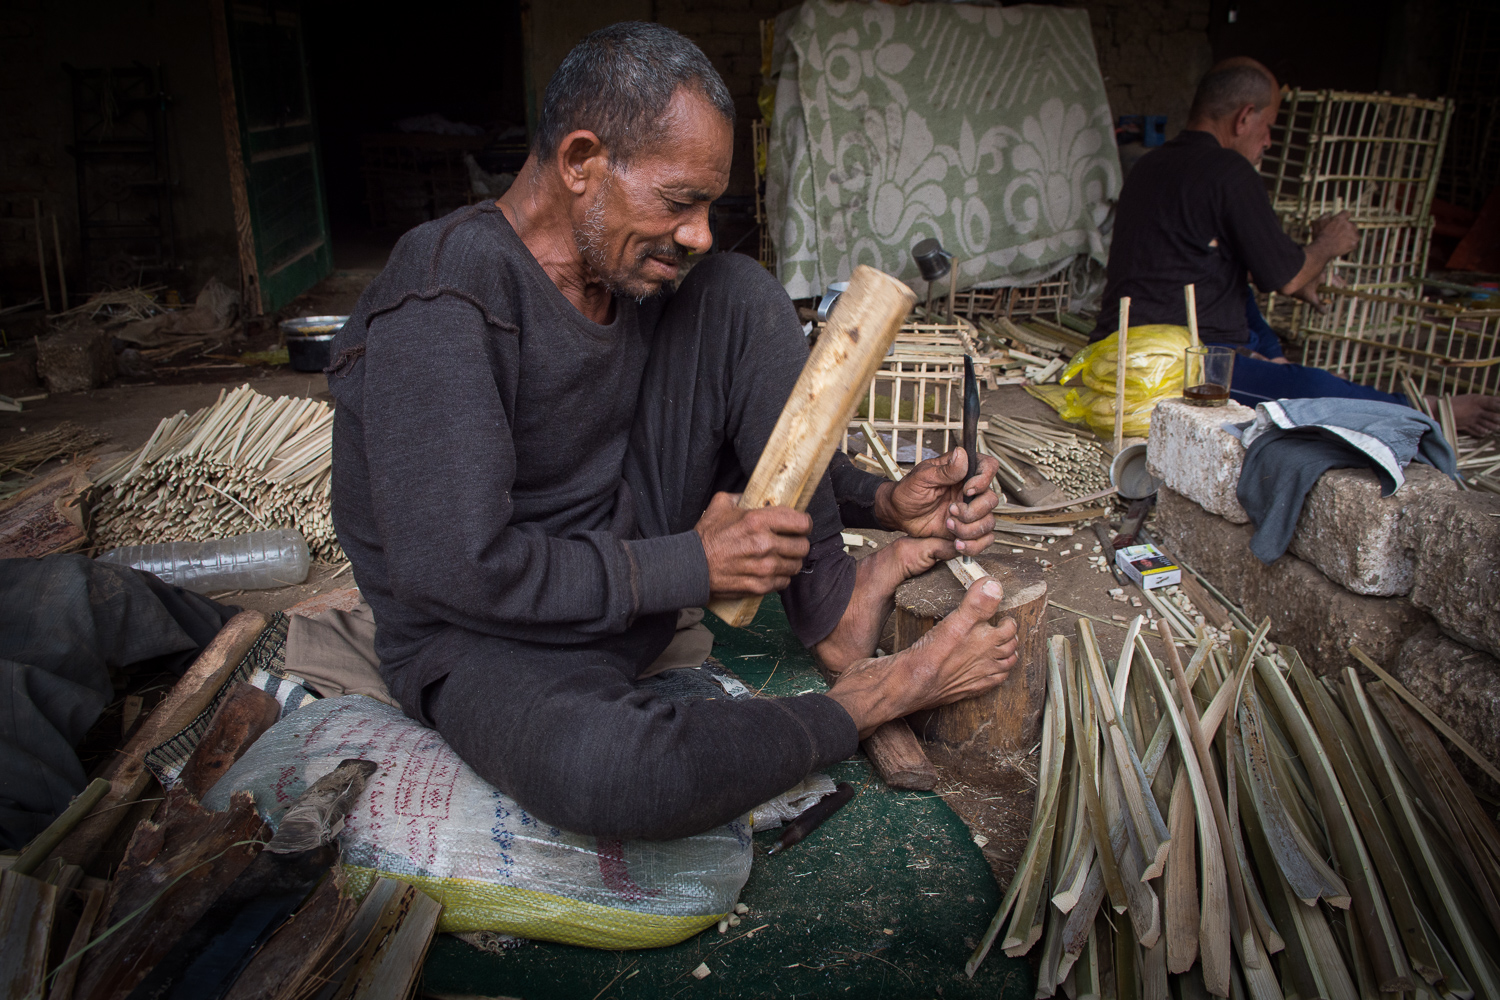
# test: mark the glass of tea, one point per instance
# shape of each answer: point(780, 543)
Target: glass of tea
point(1205, 378)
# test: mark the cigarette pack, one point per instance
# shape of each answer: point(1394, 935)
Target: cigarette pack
point(1146, 565)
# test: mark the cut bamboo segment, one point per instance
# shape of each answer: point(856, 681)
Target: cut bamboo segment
point(1031, 875)
point(1141, 901)
point(1427, 713)
point(1210, 782)
point(817, 413)
point(1190, 292)
point(1310, 877)
point(1397, 876)
point(1439, 787)
point(1451, 914)
point(1384, 941)
point(1265, 926)
point(1180, 887)
point(1026, 924)
point(1156, 750)
point(1109, 872)
point(1149, 826)
point(1122, 360)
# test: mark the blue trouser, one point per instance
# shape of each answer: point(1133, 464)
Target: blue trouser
point(1256, 381)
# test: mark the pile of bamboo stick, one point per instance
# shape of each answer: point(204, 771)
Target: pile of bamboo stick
point(1072, 458)
point(24, 455)
point(246, 463)
point(1264, 833)
point(1480, 464)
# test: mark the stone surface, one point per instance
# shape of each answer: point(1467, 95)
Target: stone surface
point(1307, 610)
point(1191, 452)
point(1349, 531)
point(1454, 539)
point(1460, 684)
point(75, 360)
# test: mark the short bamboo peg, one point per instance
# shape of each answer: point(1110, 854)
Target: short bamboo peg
point(1120, 357)
point(1191, 291)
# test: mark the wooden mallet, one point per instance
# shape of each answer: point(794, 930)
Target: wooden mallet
point(838, 372)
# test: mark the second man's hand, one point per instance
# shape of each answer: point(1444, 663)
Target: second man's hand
point(938, 499)
point(751, 551)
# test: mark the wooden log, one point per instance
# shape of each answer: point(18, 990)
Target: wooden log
point(301, 948)
point(67, 970)
point(1010, 715)
point(45, 518)
point(27, 906)
point(127, 774)
point(382, 952)
point(817, 413)
point(896, 754)
point(173, 871)
point(246, 713)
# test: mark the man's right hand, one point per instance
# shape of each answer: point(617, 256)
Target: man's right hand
point(1337, 234)
point(751, 551)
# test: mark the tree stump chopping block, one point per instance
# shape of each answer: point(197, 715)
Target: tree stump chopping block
point(1009, 717)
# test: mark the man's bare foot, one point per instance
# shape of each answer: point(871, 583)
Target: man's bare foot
point(1475, 415)
point(876, 578)
point(961, 656)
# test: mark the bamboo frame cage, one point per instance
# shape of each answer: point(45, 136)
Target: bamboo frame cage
point(1376, 339)
point(1049, 297)
point(1374, 155)
point(917, 395)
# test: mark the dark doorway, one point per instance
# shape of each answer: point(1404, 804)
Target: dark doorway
point(453, 61)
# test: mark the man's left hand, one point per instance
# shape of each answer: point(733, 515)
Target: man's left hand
point(937, 500)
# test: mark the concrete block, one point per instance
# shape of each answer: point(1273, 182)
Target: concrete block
point(1307, 609)
point(76, 359)
point(1460, 684)
point(1189, 450)
point(1349, 531)
point(1454, 539)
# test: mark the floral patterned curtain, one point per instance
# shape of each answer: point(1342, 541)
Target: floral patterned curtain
point(986, 127)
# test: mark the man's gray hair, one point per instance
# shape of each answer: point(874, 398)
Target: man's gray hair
point(618, 82)
point(1226, 89)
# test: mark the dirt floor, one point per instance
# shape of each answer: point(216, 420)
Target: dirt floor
point(991, 791)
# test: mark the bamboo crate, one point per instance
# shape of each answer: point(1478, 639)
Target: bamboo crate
point(1048, 297)
point(926, 363)
point(1380, 340)
point(1374, 155)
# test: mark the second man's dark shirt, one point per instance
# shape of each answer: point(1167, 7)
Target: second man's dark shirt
point(1193, 212)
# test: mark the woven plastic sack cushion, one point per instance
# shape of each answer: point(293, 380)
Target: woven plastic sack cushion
point(426, 818)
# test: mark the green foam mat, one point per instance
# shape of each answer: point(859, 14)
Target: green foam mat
point(885, 900)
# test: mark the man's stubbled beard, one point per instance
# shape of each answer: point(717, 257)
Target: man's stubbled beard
point(626, 280)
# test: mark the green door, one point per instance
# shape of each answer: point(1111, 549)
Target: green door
point(279, 146)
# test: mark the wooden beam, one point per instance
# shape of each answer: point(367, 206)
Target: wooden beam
point(837, 373)
point(190, 696)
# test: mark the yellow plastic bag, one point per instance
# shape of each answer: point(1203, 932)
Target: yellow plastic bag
point(1153, 372)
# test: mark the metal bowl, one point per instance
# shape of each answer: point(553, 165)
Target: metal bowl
point(309, 341)
point(1128, 474)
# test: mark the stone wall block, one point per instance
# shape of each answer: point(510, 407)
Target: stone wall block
point(1454, 540)
point(1307, 609)
point(1349, 531)
point(1460, 684)
point(1192, 453)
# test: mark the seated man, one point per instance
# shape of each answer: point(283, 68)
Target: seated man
point(1195, 211)
point(533, 443)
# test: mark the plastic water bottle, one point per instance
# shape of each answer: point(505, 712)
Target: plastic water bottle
point(257, 561)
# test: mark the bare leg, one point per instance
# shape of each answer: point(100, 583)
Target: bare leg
point(876, 578)
point(963, 655)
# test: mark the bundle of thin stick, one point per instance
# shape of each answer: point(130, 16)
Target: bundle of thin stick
point(1342, 856)
point(246, 463)
point(25, 455)
point(1479, 462)
point(1071, 458)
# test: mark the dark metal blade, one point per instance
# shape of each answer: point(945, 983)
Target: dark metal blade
point(971, 416)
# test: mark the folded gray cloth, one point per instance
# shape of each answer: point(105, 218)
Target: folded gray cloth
point(1292, 442)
